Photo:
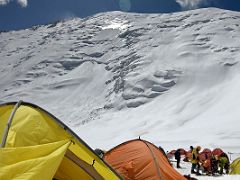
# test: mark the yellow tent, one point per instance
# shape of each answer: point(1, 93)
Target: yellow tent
point(36, 145)
point(235, 166)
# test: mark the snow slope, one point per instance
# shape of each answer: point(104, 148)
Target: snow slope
point(172, 79)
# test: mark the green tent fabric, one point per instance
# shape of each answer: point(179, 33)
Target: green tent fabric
point(235, 166)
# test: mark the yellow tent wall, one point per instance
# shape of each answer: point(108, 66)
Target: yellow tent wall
point(32, 162)
point(50, 148)
point(235, 166)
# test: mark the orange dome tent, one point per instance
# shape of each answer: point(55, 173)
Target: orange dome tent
point(188, 156)
point(206, 150)
point(217, 151)
point(205, 154)
point(172, 152)
point(139, 159)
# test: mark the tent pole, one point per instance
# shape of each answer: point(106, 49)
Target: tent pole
point(4, 139)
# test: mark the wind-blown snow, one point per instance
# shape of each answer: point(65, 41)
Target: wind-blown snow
point(172, 79)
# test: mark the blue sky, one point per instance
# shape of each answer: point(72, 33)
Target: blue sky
point(20, 14)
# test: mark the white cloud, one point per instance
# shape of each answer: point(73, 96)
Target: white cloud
point(22, 3)
point(191, 4)
point(4, 2)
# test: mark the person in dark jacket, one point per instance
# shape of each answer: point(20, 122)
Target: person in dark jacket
point(177, 155)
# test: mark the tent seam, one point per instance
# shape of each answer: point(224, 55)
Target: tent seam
point(155, 160)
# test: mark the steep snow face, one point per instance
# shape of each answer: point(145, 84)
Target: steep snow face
point(172, 79)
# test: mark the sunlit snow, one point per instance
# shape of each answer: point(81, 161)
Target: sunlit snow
point(116, 24)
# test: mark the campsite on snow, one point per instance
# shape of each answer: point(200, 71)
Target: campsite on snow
point(169, 79)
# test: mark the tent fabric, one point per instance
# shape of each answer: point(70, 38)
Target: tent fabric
point(206, 150)
point(172, 152)
point(139, 160)
point(188, 154)
point(235, 166)
point(32, 162)
point(205, 154)
point(217, 152)
point(5, 112)
point(32, 130)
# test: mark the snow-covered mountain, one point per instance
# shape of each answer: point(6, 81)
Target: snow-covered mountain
point(172, 79)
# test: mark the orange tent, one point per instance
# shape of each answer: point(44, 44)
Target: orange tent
point(138, 159)
point(205, 154)
point(172, 152)
point(207, 151)
point(188, 155)
point(217, 151)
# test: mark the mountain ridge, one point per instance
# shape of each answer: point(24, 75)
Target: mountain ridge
point(128, 75)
